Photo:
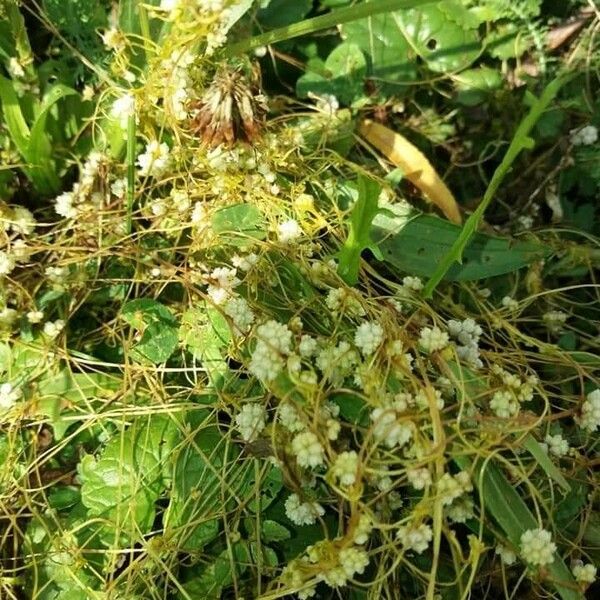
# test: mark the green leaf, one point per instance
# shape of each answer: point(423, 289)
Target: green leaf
point(61, 396)
point(359, 232)
point(13, 116)
point(391, 61)
point(535, 449)
point(207, 476)
point(239, 224)
point(342, 76)
point(278, 13)
point(424, 241)
point(160, 330)
point(474, 85)
point(272, 531)
point(442, 34)
point(39, 149)
point(122, 485)
point(502, 501)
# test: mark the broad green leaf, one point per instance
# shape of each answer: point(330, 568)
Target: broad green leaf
point(122, 484)
point(158, 326)
point(207, 476)
point(391, 61)
point(272, 531)
point(342, 75)
point(359, 231)
point(62, 397)
point(474, 85)
point(423, 242)
point(239, 224)
point(443, 35)
point(502, 501)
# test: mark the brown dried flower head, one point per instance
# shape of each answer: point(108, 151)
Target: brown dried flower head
point(232, 108)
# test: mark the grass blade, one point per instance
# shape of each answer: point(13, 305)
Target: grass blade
point(521, 141)
point(337, 17)
point(536, 450)
point(13, 116)
point(130, 168)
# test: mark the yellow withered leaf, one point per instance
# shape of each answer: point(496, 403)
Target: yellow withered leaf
point(414, 164)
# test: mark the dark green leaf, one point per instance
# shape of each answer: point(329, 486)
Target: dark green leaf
point(239, 224)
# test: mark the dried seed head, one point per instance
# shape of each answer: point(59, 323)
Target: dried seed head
point(231, 109)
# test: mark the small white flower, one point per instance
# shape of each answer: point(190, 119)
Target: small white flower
point(302, 513)
point(461, 510)
point(63, 205)
point(327, 103)
point(123, 108)
point(22, 221)
point(308, 450)
point(507, 556)
point(368, 337)
point(289, 417)
point(414, 284)
point(119, 187)
point(363, 529)
point(590, 412)
point(7, 263)
point(35, 316)
point(388, 429)
point(240, 312)
point(353, 560)
point(308, 346)
point(504, 404)
point(345, 467)
point(419, 478)
point(251, 420)
point(245, 263)
point(555, 320)
point(155, 159)
point(433, 339)
point(415, 538)
point(584, 573)
point(289, 231)
point(510, 303)
point(15, 68)
point(451, 487)
point(557, 444)
point(586, 136)
point(53, 328)
point(113, 39)
point(537, 547)
point(8, 396)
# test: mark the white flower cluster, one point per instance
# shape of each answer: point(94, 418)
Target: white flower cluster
point(308, 450)
point(537, 547)
point(245, 263)
point(555, 320)
point(584, 573)
point(251, 420)
point(345, 467)
point(467, 334)
point(289, 417)
point(7, 263)
point(155, 159)
point(274, 341)
point(368, 337)
point(8, 396)
point(586, 136)
point(178, 84)
point(419, 478)
point(363, 529)
point(388, 425)
point(589, 418)
point(123, 108)
point(221, 282)
point(344, 301)
point(507, 556)
point(240, 312)
point(415, 537)
point(53, 328)
point(510, 303)
point(461, 510)
point(289, 231)
point(350, 561)
point(83, 195)
point(451, 487)
point(336, 362)
point(557, 444)
point(506, 401)
point(433, 339)
point(302, 513)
